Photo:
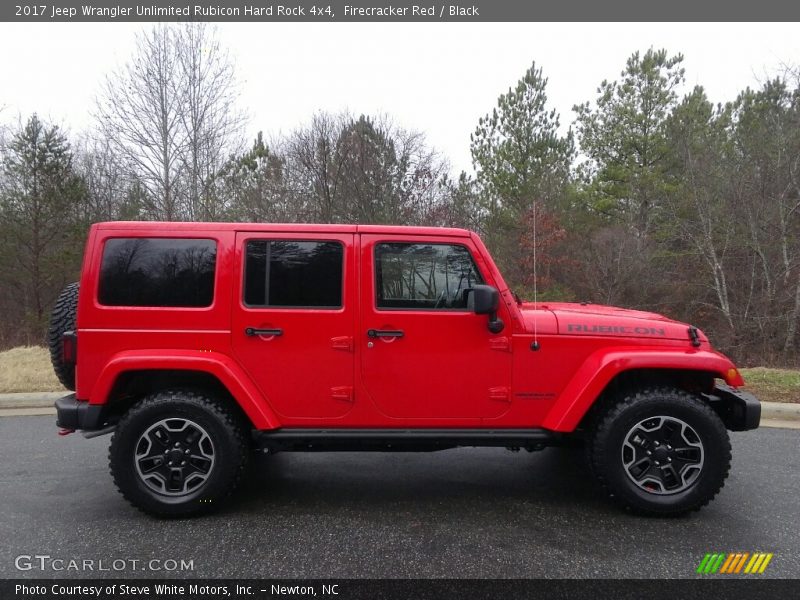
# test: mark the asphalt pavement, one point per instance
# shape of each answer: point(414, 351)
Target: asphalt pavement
point(482, 513)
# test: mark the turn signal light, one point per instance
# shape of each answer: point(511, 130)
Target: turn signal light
point(734, 378)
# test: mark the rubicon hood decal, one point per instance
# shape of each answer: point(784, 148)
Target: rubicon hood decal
point(615, 329)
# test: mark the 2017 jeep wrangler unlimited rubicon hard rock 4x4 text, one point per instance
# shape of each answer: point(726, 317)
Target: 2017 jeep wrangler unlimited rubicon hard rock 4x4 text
point(196, 343)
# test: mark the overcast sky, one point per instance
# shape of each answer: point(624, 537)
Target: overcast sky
point(438, 78)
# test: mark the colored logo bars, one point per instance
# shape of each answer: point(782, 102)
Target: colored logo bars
point(739, 562)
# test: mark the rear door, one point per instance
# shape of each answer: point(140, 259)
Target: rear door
point(293, 321)
point(424, 355)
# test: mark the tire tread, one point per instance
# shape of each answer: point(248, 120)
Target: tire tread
point(63, 318)
point(229, 420)
point(597, 440)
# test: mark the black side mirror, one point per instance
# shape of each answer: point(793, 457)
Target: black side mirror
point(484, 300)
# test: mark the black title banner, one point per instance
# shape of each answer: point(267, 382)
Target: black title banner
point(400, 11)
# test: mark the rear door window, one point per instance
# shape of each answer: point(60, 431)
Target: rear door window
point(293, 274)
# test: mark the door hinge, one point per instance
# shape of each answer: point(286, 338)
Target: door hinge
point(499, 394)
point(342, 342)
point(343, 393)
point(501, 343)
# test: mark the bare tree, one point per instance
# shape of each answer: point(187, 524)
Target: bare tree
point(2, 130)
point(363, 170)
point(314, 168)
point(212, 124)
point(391, 175)
point(140, 113)
point(170, 115)
point(105, 176)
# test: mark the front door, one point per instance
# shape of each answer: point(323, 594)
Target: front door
point(424, 355)
point(293, 321)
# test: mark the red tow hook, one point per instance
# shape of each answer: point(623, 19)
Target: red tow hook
point(64, 431)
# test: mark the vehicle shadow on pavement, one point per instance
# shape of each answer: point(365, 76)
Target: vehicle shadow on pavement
point(467, 477)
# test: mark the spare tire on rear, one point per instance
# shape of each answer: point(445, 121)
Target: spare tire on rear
point(63, 319)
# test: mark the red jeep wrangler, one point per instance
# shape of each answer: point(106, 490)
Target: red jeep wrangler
point(196, 343)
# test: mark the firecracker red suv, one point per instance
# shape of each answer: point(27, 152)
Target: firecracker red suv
point(196, 344)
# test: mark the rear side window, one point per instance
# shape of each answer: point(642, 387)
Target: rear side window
point(297, 274)
point(423, 276)
point(158, 272)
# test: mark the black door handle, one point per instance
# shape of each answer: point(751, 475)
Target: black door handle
point(376, 333)
point(251, 331)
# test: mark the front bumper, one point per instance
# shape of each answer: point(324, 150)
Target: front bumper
point(740, 411)
point(72, 413)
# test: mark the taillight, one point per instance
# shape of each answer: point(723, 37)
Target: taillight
point(69, 347)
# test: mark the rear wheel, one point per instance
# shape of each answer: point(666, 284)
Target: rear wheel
point(178, 453)
point(660, 451)
point(62, 319)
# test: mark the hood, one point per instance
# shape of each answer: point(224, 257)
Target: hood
point(606, 321)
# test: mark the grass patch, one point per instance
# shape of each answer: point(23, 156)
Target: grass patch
point(773, 385)
point(27, 369)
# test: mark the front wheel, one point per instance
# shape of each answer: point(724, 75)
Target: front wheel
point(178, 453)
point(660, 451)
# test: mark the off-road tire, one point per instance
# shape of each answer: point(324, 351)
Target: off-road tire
point(227, 431)
point(615, 423)
point(63, 319)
